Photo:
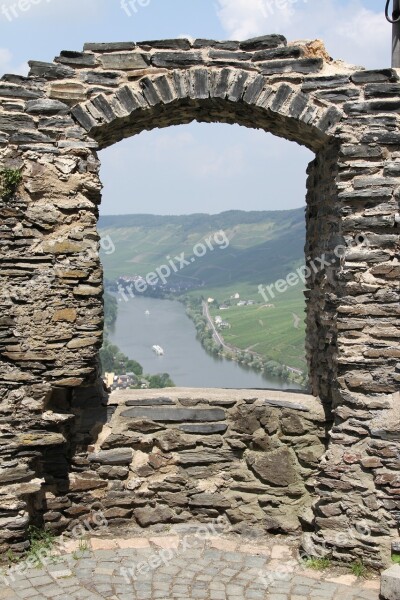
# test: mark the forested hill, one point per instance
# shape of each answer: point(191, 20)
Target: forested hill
point(263, 246)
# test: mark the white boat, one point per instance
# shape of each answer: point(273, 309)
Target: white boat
point(147, 312)
point(158, 350)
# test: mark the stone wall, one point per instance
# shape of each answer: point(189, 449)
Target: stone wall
point(169, 456)
point(53, 122)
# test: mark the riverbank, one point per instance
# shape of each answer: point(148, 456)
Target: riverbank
point(185, 359)
point(213, 341)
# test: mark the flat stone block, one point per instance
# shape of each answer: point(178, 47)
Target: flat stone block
point(124, 61)
point(168, 542)
point(137, 543)
point(223, 544)
point(205, 429)
point(99, 544)
point(390, 583)
point(150, 402)
point(176, 415)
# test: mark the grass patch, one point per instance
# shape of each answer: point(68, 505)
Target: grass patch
point(9, 182)
point(396, 558)
point(359, 569)
point(318, 564)
point(41, 543)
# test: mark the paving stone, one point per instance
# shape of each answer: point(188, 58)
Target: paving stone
point(202, 572)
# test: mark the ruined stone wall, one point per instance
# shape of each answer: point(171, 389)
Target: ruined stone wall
point(179, 454)
point(53, 122)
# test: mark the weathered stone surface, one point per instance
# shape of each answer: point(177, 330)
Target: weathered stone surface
point(109, 46)
point(161, 401)
point(209, 500)
point(390, 583)
point(305, 65)
point(263, 42)
point(128, 61)
point(187, 457)
point(150, 516)
point(51, 125)
point(276, 467)
point(374, 76)
point(176, 414)
point(173, 440)
point(177, 44)
point(121, 456)
point(176, 59)
point(206, 428)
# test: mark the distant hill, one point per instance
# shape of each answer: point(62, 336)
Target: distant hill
point(263, 246)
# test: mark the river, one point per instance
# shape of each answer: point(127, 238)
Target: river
point(185, 359)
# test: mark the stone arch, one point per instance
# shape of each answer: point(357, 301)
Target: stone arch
point(51, 125)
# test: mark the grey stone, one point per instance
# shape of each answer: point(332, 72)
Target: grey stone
point(161, 401)
point(124, 61)
point(209, 500)
point(150, 516)
point(374, 76)
point(254, 90)
point(46, 106)
point(80, 59)
point(109, 47)
point(107, 78)
point(206, 428)
point(382, 90)
point(263, 42)
point(204, 43)
point(121, 456)
point(18, 91)
point(284, 404)
point(199, 457)
point(390, 583)
point(276, 467)
point(176, 59)
point(227, 56)
point(174, 44)
point(325, 81)
point(304, 65)
point(176, 414)
point(276, 53)
point(49, 71)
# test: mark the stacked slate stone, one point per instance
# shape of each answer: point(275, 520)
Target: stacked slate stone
point(197, 455)
point(51, 125)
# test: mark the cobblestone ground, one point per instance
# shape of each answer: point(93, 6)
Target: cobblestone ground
point(176, 566)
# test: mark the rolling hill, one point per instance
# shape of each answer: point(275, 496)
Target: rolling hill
point(263, 246)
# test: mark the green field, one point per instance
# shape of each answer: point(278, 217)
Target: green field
point(269, 331)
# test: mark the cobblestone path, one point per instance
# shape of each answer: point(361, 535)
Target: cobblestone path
point(176, 566)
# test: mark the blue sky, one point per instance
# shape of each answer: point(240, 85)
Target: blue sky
point(197, 167)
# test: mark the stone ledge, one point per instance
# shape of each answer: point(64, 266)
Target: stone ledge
point(390, 583)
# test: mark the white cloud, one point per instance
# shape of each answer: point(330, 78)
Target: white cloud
point(7, 65)
point(350, 31)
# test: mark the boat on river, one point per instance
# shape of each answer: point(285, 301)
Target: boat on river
point(158, 350)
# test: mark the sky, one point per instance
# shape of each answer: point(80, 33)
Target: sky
point(196, 167)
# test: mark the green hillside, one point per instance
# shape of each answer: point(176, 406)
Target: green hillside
point(263, 247)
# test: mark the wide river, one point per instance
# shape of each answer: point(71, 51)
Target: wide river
point(185, 359)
